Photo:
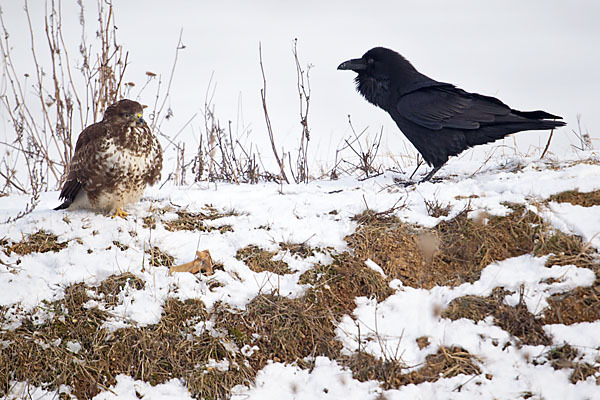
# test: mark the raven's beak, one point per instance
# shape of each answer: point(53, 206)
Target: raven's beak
point(358, 64)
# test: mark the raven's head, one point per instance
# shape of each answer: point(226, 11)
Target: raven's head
point(381, 72)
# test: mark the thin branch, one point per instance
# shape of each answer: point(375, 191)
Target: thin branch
point(263, 95)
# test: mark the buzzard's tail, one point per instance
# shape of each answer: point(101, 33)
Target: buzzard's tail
point(68, 193)
point(64, 205)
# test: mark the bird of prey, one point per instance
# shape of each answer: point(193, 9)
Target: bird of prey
point(114, 160)
point(438, 118)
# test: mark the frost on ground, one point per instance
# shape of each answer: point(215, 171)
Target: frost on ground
point(478, 286)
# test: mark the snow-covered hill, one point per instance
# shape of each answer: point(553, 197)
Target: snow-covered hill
point(478, 286)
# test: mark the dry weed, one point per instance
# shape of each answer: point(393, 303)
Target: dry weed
point(575, 197)
point(285, 330)
point(159, 258)
point(517, 321)
point(581, 304)
point(456, 250)
point(195, 222)
point(259, 260)
point(39, 351)
point(38, 242)
point(445, 363)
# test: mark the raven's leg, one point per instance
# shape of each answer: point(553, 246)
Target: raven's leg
point(431, 173)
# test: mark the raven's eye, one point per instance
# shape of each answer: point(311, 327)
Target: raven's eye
point(370, 61)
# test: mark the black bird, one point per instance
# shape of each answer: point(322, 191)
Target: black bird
point(438, 118)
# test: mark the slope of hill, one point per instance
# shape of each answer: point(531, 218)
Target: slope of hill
point(478, 286)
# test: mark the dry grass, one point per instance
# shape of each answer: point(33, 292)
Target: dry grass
point(39, 354)
point(159, 258)
point(566, 357)
point(259, 260)
point(195, 221)
point(110, 288)
point(38, 242)
point(290, 330)
point(581, 304)
point(436, 209)
point(335, 286)
point(575, 197)
point(299, 249)
point(445, 363)
point(285, 330)
point(456, 250)
point(517, 321)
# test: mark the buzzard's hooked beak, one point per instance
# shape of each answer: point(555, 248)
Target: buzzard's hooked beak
point(356, 65)
point(140, 120)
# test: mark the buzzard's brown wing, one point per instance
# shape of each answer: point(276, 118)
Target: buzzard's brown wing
point(81, 167)
point(153, 174)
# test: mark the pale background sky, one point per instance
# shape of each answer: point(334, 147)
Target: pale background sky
point(530, 54)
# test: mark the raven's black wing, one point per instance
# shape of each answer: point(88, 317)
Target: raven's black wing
point(446, 106)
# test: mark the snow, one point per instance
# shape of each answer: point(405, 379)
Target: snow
point(267, 214)
point(130, 389)
point(326, 381)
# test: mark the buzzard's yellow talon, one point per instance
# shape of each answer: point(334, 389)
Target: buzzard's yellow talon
point(120, 213)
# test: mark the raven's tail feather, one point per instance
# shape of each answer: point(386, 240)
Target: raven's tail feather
point(496, 132)
point(538, 114)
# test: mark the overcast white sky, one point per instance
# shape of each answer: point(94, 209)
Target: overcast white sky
point(530, 54)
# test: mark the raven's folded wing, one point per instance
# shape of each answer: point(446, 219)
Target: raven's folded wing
point(446, 106)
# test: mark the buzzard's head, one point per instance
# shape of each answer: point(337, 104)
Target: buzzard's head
point(126, 112)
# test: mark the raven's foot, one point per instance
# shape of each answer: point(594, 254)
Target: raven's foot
point(404, 182)
point(431, 174)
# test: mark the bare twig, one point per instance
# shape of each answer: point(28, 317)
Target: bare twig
point(303, 86)
point(547, 144)
point(263, 95)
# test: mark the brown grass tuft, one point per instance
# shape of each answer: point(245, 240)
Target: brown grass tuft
point(259, 260)
point(581, 371)
point(195, 221)
point(436, 209)
point(392, 245)
point(298, 249)
point(38, 351)
point(114, 284)
point(469, 245)
point(38, 242)
point(575, 197)
point(285, 330)
point(445, 363)
point(337, 285)
point(456, 250)
point(581, 304)
point(565, 356)
point(517, 321)
point(159, 258)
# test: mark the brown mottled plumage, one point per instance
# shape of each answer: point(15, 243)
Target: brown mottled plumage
point(114, 160)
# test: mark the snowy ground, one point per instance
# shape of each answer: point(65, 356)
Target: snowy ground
point(268, 214)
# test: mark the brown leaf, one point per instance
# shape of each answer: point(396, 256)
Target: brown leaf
point(202, 263)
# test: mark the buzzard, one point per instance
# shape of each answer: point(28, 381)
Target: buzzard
point(113, 162)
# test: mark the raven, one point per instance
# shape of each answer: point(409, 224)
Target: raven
point(438, 118)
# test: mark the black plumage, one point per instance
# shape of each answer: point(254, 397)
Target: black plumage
point(438, 118)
